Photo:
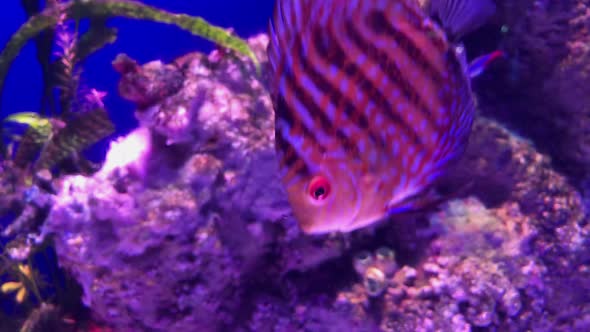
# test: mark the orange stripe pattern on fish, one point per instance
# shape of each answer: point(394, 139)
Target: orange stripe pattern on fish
point(372, 103)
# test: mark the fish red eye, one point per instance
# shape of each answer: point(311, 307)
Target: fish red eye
point(319, 188)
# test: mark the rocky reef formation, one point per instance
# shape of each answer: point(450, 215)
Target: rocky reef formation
point(546, 79)
point(186, 227)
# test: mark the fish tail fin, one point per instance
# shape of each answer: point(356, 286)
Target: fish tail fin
point(459, 17)
point(479, 64)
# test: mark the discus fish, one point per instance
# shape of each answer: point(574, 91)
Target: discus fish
point(372, 104)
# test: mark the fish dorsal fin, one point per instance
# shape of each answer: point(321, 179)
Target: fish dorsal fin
point(459, 17)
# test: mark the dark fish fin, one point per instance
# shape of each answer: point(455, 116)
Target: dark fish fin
point(428, 200)
point(421, 202)
point(459, 17)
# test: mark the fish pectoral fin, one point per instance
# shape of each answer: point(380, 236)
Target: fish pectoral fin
point(459, 17)
point(427, 200)
point(421, 201)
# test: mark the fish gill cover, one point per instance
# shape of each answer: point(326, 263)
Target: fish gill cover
point(186, 224)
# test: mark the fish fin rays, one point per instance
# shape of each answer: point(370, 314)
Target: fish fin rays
point(414, 203)
point(427, 200)
point(459, 17)
point(286, 22)
point(478, 65)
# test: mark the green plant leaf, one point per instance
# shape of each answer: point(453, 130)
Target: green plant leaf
point(79, 9)
point(31, 119)
point(82, 131)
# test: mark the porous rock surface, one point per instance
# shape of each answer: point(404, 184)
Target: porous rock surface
point(542, 88)
point(203, 239)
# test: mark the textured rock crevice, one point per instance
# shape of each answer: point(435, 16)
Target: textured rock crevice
point(203, 237)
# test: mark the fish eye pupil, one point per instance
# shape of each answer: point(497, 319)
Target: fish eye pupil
point(319, 192)
point(319, 188)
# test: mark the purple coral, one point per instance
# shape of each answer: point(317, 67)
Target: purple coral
point(545, 80)
point(206, 240)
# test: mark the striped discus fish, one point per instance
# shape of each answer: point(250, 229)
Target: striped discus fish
point(372, 103)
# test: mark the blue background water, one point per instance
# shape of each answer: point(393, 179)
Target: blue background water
point(142, 40)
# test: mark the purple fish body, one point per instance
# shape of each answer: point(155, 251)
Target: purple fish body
point(372, 104)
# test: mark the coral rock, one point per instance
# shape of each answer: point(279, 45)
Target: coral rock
point(206, 241)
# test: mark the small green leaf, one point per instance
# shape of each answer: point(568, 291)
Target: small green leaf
point(32, 119)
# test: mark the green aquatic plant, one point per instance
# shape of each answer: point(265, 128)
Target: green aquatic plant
point(22, 279)
point(79, 133)
point(40, 125)
point(55, 140)
point(100, 10)
point(38, 132)
point(48, 297)
point(24, 285)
